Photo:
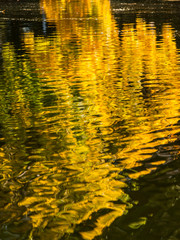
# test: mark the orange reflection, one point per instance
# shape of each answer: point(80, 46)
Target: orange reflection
point(112, 98)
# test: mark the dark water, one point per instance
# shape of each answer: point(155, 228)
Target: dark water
point(89, 120)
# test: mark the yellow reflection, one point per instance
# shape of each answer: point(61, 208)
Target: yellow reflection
point(157, 62)
point(109, 97)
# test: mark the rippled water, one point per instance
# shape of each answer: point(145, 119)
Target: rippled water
point(89, 120)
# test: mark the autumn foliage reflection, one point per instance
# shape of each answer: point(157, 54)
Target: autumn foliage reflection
point(100, 108)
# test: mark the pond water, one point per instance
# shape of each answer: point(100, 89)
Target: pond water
point(89, 120)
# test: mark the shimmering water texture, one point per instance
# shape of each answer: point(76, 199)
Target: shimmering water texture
point(89, 125)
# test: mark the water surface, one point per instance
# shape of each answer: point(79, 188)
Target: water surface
point(89, 120)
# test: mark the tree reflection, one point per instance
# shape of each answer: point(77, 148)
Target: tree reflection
point(84, 106)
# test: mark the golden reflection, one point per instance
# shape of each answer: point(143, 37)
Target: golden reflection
point(102, 103)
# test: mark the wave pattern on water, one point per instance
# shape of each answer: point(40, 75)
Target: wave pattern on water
point(86, 110)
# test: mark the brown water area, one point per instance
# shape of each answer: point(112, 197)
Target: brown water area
point(89, 120)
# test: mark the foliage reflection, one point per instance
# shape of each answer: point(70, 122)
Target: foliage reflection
point(82, 107)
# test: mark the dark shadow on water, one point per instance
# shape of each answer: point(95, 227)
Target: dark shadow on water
point(156, 202)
